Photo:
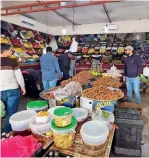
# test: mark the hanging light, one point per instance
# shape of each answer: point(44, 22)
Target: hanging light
point(64, 30)
point(106, 29)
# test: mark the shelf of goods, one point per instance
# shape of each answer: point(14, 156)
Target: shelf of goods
point(35, 66)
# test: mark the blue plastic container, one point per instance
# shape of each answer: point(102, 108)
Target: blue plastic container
point(105, 105)
point(67, 102)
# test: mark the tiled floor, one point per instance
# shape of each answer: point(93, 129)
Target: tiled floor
point(145, 117)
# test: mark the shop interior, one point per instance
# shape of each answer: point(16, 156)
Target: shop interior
point(89, 113)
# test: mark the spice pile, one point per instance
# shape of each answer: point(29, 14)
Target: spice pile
point(102, 93)
point(82, 77)
point(106, 81)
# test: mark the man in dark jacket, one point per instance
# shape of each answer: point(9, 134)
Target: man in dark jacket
point(132, 71)
point(64, 64)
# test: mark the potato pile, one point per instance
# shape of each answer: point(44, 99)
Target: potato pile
point(106, 81)
point(102, 93)
point(82, 77)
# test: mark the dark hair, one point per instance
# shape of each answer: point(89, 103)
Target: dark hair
point(5, 47)
point(48, 49)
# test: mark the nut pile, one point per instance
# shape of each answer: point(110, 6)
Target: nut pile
point(82, 77)
point(106, 81)
point(102, 93)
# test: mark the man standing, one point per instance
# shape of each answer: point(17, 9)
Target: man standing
point(64, 63)
point(11, 79)
point(132, 71)
point(49, 69)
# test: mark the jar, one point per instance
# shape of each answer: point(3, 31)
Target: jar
point(63, 116)
point(64, 136)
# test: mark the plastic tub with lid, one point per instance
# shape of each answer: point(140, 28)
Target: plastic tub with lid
point(51, 110)
point(39, 127)
point(64, 136)
point(80, 114)
point(63, 116)
point(20, 120)
point(108, 120)
point(39, 105)
point(94, 132)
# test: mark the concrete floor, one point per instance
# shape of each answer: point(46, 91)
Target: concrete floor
point(145, 118)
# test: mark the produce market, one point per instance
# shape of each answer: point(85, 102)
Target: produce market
point(74, 78)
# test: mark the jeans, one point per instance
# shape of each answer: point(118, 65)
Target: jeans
point(49, 84)
point(11, 101)
point(133, 84)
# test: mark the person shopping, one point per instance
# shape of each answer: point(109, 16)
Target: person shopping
point(132, 71)
point(11, 79)
point(64, 63)
point(49, 69)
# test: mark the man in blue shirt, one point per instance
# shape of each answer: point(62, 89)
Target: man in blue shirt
point(132, 71)
point(50, 69)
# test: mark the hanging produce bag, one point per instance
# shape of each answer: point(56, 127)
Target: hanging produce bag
point(74, 46)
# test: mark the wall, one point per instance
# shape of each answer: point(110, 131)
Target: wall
point(15, 19)
point(123, 27)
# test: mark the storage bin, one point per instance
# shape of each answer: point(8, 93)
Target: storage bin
point(94, 132)
point(64, 137)
point(39, 105)
point(39, 128)
point(128, 136)
point(20, 120)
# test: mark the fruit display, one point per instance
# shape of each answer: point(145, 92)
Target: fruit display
point(13, 57)
point(30, 51)
point(106, 81)
point(42, 45)
point(84, 50)
point(5, 40)
point(16, 42)
point(120, 50)
point(95, 73)
point(102, 93)
point(27, 45)
point(102, 50)
point(91, 51)
point(36, 45)
point(35, 56)
point(26, 34)
point(106, 59)
point(19, 49)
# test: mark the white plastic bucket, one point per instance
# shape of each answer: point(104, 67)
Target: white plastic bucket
point(80, 114)
point(94, 132)
point(37, 127)
point(20, 120)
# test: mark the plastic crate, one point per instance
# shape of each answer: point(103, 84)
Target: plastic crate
point(128, 136)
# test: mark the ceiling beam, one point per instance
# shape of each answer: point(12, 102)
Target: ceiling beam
point(107, 13)
point(30, 8)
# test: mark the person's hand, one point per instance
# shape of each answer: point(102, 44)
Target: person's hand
point(124, 79)
point(137, 77)
point(23, 91)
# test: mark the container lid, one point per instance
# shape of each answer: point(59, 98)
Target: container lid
point(62, 111)
point(37, 104)
point(73, 124)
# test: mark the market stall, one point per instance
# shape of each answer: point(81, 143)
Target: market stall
point(82, 117)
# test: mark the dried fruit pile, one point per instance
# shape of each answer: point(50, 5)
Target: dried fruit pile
point(82, 77)
point(106, 81)
point(102, 93)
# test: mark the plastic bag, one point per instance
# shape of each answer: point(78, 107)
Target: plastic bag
point(74, 46)
point(146, 71)
point(19, 146)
